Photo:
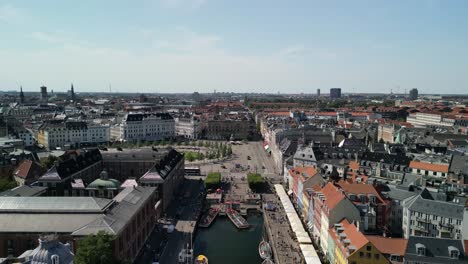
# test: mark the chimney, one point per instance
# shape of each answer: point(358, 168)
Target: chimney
point(357, 225)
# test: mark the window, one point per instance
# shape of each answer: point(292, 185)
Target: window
point(361, 254)
point(369, 255)
point(376, 256)
point(454, 254)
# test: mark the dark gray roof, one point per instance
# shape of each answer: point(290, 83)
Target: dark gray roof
point(25, 190)
point(129, 201)
point(133, 154)
point(458, 163)
point(53, 204)
point(399, 194)
point(437, 250)
point(446, 209)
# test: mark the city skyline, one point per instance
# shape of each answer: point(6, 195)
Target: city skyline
point(170, 46)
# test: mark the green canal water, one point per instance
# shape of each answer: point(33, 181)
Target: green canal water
point(223, 243)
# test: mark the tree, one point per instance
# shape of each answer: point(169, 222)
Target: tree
point(49, 161)
point(7, 184)
point(96, 249)
point(200, 143)
point(229, 150)
point(213, 180)
point(256, 181)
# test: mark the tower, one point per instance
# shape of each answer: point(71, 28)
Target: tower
point(72, 93)
point(318, 92)
point(21, 95)
point(44, 93)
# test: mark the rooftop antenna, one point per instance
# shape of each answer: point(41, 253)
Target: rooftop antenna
point(110, 88)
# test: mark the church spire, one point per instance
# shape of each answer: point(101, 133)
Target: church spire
point(72, 91)
point(21, 95)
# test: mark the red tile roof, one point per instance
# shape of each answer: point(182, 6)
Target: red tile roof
point(387, 245)
point(358, 240)
point(429, 166)
point(23, 169)
point(360, 188)
point(332, 194)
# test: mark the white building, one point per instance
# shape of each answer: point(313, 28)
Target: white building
point(188, 127)
point(27, 136)
point(425, 215)
point(139, 126)
point(429, 120)
point(57, 133)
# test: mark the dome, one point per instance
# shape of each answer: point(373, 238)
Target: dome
point(50, 250)
point(104, 182)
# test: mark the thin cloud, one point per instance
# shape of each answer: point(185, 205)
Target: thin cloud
point(10, 14)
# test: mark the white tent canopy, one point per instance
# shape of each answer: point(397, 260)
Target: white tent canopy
point(303, 237)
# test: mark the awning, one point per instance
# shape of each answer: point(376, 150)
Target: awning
point(290, 192)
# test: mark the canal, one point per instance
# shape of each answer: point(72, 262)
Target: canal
point(223, 243)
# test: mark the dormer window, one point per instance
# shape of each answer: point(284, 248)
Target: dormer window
point(420, 249)
point(454, 253)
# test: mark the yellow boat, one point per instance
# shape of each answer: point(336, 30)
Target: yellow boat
point(201, 260)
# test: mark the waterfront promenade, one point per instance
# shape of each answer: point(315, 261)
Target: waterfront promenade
point(285, 247)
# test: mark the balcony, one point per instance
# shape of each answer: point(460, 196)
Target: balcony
point(423, 220)
point(420, 228)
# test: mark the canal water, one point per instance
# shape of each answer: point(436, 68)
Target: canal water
point(223, 243)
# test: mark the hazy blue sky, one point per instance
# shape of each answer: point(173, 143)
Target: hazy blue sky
point(235, 45)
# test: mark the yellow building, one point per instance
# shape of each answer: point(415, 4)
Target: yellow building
point(352, 247)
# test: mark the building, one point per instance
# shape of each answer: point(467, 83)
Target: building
point(352, 247)
point(68, 134)
point(434, 250)
point(167, 175)
point(226, 128)
point(397, 197)
point(374, 210)
point(78, 165)
point(49, 251)
point(330, 206)
point(27, 136)
point(434, 174)
point(188, 127)
point(141, 126)
point(426, 214)
point(413, 94)
point(21, 95)
point(130, 217)
point(103, 187)
point(436, 120)
point(393, 249)
point(44, 96)
point(27, 172)
point(335, 93)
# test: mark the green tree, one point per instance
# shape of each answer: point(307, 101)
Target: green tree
point(7, 184)
point(213, 180)
point(96, 249)
point(229, 150)
point(189, 156)
point(256, 181)
point(200, 143)
point(49, 161)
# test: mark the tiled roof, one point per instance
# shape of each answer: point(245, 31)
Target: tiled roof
point(304, 171)
point(23, 169)
point(429, 166)
point(359, 188)
point(332, 194)
point(356, 238)
point(387, 245)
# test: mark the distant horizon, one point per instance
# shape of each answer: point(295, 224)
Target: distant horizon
point(264, 46)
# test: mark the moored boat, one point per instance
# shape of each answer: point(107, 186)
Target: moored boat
point(264, 250)
point(208, 218)
point(237, 219)
point(201, 259)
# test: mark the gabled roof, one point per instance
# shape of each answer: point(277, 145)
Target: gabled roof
point(387, 245)
point(332, 195)
point(359, 188)
point(355, 237)
point(27, 169)
point(437, 250)
point(429, 166)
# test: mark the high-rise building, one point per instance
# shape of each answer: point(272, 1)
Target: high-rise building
point(318, 92)
point(43, 93)
point(335, 93)
point(413, 94)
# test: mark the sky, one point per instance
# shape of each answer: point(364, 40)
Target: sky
point(269, 46)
